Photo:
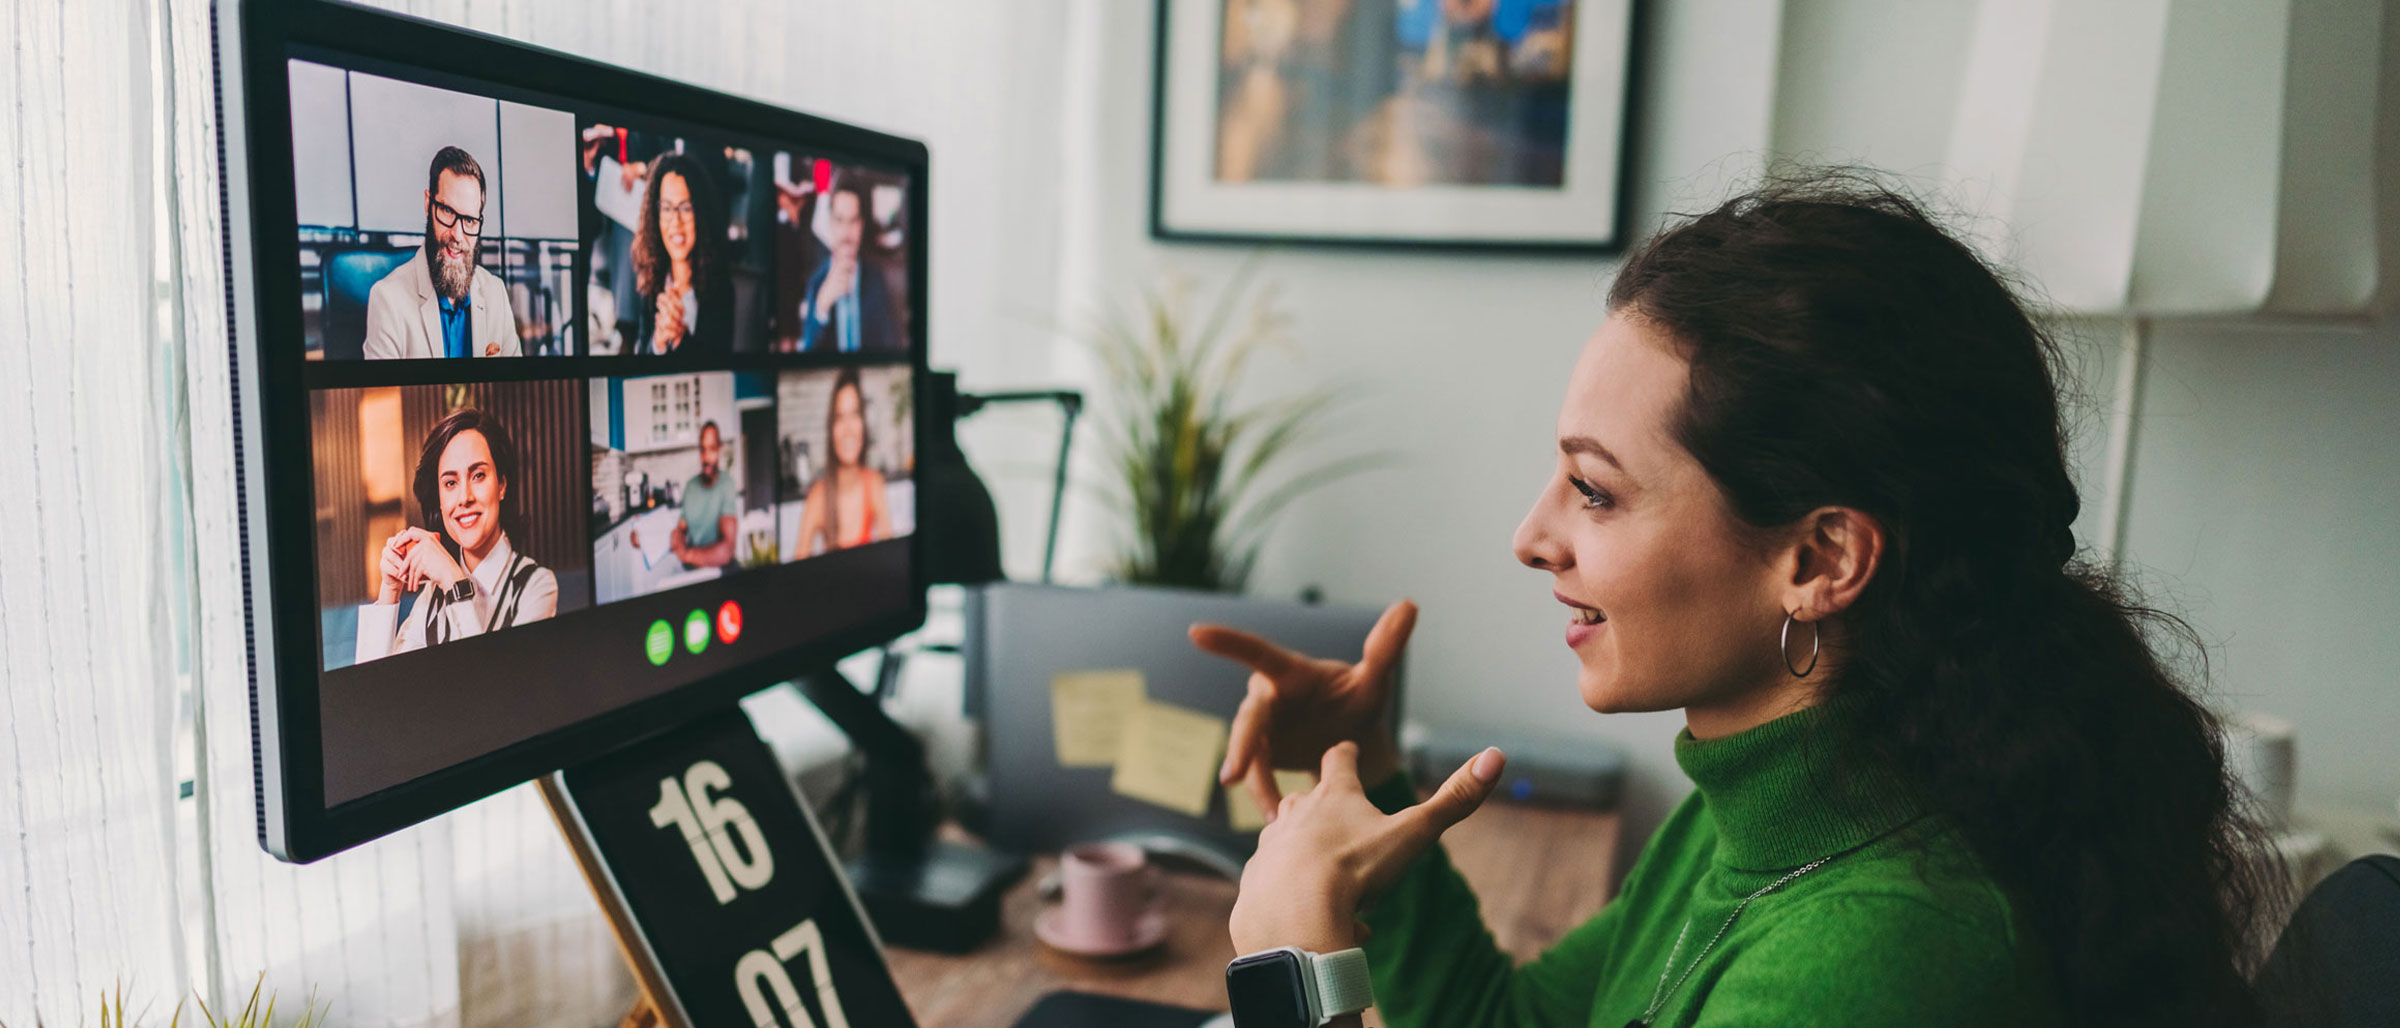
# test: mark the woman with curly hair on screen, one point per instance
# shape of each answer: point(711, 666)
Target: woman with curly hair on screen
point(679, 267)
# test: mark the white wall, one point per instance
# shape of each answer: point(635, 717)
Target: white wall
point(2266, 509)
point(1457, 363)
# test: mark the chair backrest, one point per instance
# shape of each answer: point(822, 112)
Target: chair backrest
point(749, 311)
point(2338, 962)
point(349, 276)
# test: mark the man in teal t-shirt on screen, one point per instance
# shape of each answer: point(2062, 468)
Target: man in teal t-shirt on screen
point(704, 538)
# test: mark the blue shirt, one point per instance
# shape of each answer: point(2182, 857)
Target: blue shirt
point(454, 328)
point(843, 321)
point(847, 310)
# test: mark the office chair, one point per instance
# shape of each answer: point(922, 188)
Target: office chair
point(349, 275)
point(2338, 962)
point(749, 311)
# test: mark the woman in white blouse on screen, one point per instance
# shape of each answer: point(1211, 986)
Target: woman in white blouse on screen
point(467, 577)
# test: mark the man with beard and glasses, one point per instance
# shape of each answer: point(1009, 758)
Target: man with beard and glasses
point(441, 303)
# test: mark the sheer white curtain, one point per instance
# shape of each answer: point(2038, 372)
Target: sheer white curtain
point(87, 883)
point(372, 932)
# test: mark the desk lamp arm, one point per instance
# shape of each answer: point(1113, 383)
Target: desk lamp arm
point(1070, 405)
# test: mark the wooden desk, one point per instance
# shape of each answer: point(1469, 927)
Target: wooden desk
point(1537, 872)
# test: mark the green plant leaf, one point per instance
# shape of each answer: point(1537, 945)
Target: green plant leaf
point(1188, 456)
point(1250, 527)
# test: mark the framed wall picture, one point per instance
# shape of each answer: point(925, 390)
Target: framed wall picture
point(1451, 123)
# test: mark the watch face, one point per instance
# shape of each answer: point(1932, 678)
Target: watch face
point(1266, 991)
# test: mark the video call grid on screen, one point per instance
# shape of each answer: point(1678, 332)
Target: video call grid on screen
point(653, 409)
point(785, 212)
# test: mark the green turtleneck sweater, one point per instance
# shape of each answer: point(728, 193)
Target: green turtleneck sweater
point(1899, 928)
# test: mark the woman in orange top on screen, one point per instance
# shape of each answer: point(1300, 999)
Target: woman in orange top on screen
point(845, 505)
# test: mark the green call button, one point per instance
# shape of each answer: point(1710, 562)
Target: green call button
point(661, 641)
point(695, 631)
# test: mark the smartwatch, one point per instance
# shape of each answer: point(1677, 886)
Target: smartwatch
point(462, 590)
point(1291, 987)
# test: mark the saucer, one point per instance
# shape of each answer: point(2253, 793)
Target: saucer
point(1149, 930)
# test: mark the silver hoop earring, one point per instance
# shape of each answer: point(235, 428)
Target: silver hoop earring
point(1816, 634)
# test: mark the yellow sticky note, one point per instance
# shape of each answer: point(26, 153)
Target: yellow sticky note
point(1088, 710)
point(1241, 811)
point(1168, 756)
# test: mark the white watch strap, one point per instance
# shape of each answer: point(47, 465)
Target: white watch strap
point(1342, 983)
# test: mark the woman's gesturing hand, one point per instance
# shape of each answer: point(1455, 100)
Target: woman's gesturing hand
point(1300, 706)
point(393, 567)
point(836, 286)
point(1331, 850)
point(427, 561)
point(667, 330)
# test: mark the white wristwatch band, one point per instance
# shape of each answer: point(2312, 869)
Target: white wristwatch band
point(1342, 983)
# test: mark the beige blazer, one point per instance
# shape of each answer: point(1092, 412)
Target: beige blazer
point(404, 316)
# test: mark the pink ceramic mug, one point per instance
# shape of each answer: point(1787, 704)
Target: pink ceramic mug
point(1105, 888)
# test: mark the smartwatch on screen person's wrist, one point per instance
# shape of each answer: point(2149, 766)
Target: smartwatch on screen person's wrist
point(1290, 987)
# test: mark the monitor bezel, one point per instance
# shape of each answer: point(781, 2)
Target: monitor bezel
point(270, 401)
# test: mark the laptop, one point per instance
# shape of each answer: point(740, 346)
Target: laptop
point(1019, 636)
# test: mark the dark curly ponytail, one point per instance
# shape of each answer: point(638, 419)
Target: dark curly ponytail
point(1846, 351)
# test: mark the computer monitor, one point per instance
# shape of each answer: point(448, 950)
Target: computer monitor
point(572, 402)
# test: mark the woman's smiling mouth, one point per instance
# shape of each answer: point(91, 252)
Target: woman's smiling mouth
point(1579, 613)
point(1582, 621)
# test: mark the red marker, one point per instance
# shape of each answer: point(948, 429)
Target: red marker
point(729, 622)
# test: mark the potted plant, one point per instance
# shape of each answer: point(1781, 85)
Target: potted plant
point(114, 1015)
point(1198, 469)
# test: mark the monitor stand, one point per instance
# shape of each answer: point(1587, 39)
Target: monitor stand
point(647, 976)
point(922, 892)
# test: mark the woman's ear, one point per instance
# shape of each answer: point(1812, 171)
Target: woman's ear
point(1834, 555)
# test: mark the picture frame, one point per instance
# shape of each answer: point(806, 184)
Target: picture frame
point(1441, 124)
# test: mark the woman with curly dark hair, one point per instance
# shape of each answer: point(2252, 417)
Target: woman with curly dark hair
point(1811, 490)
point(679, 262)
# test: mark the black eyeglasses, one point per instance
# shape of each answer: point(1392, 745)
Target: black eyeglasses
point(449, 216)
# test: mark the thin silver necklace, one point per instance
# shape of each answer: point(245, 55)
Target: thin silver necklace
point(1658, 996)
